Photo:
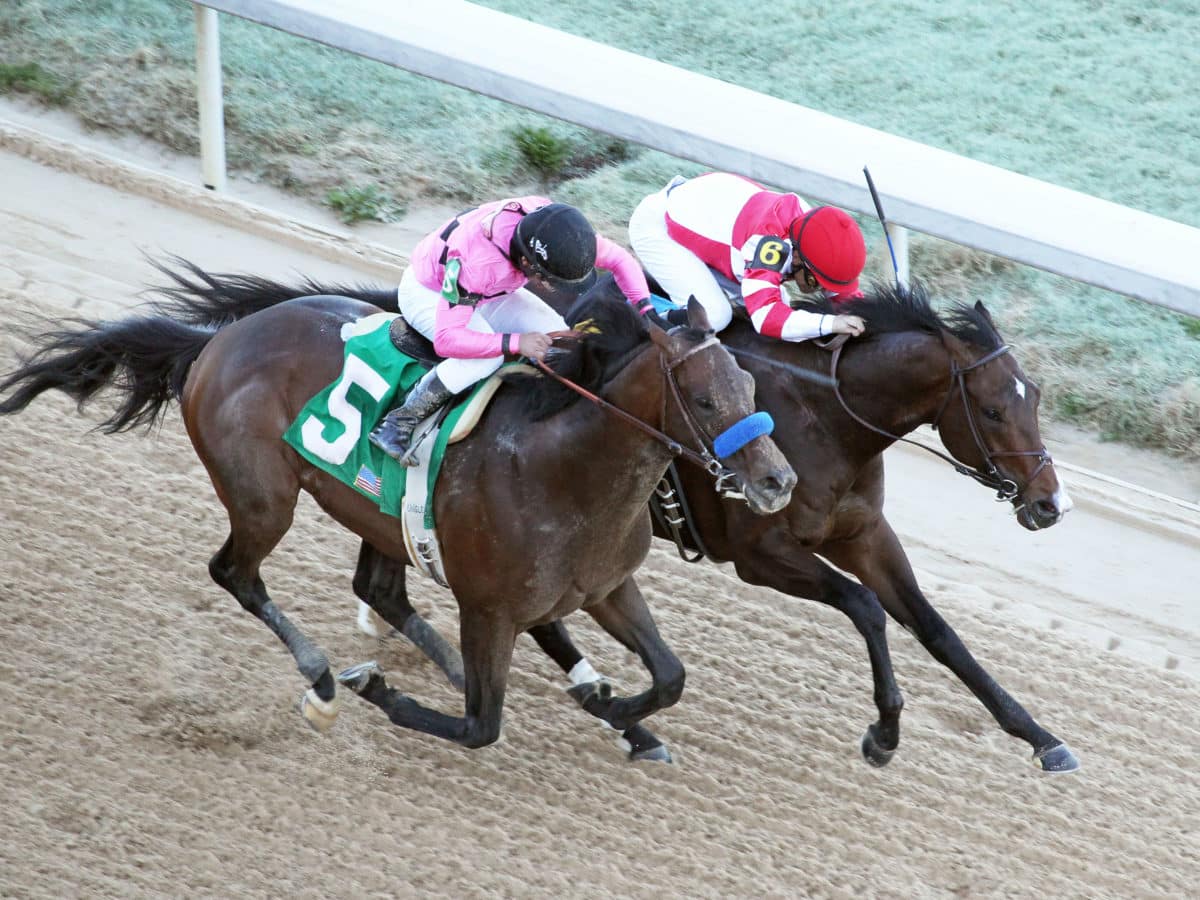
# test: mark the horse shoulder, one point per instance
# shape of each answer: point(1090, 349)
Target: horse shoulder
point(860, 507)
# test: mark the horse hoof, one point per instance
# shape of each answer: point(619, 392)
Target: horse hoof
point(320, 714)
point(1056, 759)
point(652, 754)
point(656, 752)
point(872, 752)
point(361, 677)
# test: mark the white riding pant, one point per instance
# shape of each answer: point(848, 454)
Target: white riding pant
point(516, 313)
point(681, 273)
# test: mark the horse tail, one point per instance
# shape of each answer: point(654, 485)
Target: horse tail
point(198, 297)
point(146, 358)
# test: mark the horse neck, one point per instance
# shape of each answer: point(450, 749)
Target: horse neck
point(897, 382)
point(638, 389)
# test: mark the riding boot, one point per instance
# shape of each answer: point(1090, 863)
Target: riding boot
point(677, 316)
point(394, 433)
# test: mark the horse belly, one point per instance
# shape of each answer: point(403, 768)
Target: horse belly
point(575, 576)
point(355, 512)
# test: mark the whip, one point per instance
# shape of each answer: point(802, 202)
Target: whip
point(883, 222)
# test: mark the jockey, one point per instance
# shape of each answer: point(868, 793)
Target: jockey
point(755, 237)
point(465, 291)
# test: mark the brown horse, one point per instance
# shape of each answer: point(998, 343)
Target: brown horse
point(542, 510)
point(913, 367)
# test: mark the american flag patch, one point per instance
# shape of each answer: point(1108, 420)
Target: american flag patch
point(368, 481)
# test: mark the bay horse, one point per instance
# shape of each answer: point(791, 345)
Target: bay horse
point(542, 509)
point(914, 366)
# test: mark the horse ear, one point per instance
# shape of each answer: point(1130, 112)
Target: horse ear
point(959, 351)
point(982, 310)
point(658, 336)
point(697, 314)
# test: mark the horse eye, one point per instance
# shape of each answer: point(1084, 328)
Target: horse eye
point(993, 414)
point(705, 403)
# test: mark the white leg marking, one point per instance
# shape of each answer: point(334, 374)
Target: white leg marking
point(370, 622)
point(583, 673)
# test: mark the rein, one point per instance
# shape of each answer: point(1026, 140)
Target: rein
point(990, 477)
point(705, 458)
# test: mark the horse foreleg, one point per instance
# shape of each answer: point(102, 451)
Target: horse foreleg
point(802, 574)
point(625, 616)
point(487, 653)
point(235, 568)
point(379, 583)
point(556, 642)
point(881, 563)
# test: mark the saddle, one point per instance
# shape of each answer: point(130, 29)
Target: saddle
point(420, 533)
point(412, 343)
point(729, 286)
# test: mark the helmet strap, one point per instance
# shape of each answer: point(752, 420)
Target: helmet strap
point(516, 254)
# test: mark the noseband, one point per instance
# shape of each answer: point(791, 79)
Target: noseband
point(709, 456)
point(989, 475)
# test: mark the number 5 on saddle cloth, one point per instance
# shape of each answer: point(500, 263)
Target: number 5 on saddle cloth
point(331, 432)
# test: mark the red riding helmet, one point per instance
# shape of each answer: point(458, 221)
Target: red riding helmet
point(831, 246)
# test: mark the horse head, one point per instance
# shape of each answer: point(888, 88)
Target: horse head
point(714, 404)
point(702, 401)
point(989, 421)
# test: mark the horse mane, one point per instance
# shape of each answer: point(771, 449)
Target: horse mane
point(612, 332)
point(202, 298)
point(890, 309)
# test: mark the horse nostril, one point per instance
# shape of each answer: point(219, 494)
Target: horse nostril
point(1045, 510)
point(774, 485)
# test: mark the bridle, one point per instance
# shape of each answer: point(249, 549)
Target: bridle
point(989, 475)
point(733, 438)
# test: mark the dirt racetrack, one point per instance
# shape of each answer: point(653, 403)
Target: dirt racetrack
point(150, 747)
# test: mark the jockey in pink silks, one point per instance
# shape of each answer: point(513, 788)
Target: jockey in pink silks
point(465, 291)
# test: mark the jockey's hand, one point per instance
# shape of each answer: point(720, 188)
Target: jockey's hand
point(534, 345)
point(851, 325)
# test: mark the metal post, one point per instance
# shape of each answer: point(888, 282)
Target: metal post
point(208, 85)
point(899, 236)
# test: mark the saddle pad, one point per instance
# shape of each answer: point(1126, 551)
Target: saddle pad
point(331, 430)
point(472, 410)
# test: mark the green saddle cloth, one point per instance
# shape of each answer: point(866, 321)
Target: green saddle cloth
point(331, 430)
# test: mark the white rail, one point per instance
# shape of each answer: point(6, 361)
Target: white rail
point(819, 156)
point(208, 90)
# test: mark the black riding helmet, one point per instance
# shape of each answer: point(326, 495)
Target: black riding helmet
point(557, 241)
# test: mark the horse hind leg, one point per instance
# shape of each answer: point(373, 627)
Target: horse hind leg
point(555, 641)
point(235, 567)
point(379, 584)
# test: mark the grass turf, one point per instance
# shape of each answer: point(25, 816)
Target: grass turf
point(1093, 96)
